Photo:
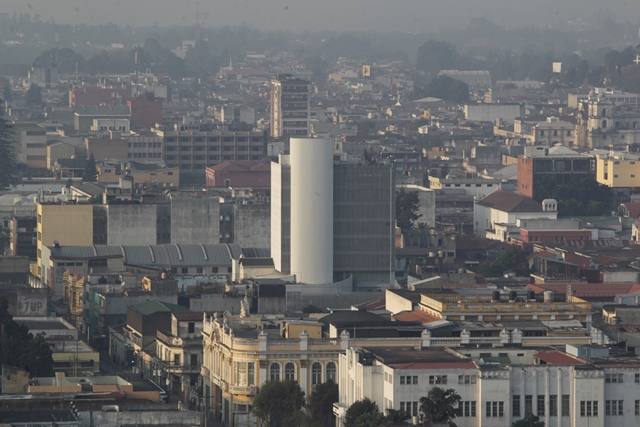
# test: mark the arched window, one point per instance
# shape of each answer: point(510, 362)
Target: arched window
point(331, 371)
point(316, 373)
point(274, 372)
point(289, 371)
point(604, 112)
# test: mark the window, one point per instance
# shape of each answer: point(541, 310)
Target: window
point(176, 359)
point(466, 379)
point(613, 378)
point(637, 407)
point(289, 371)
point(495, 409)
point(637, 378)
point(415, 380)
point(316, 373)
point(540, 408)
point(192, 327)
point(331, 372)
point(588, 408)
point(553, 405)
point(194, 360)
point(410, 408)
point(403, 380)
point(185, 270)
point(528, 404)
point(251, 371)
point(274, 372)
point(515, 405)
point(613, 407)
point(468, 409)
point(565, 405)
point(437, 379)
point(200, 270)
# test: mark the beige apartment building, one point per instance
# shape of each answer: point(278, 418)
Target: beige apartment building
point(63, 224)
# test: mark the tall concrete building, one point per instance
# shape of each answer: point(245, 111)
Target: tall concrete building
point(289, 106)
point(331, 221)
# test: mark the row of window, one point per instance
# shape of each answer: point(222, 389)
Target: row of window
point(144, 155)
point(555, 133)
point(215, 148)
point(290, 372)
point(540, 409)
point(213, 139)
point(467, 185)
point(144, 144)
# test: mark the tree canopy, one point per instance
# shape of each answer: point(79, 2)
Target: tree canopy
point(434, 56)
point(580, 197)
point(359, 408)
point(90, 171)
point(529, 421)
point(20, 348)
point(441, 406)
point(9, 172)
point(446, 88)
point(321, 400)
point(278, 401)
point(34, 95)
point(513, 259)
point(407, 204)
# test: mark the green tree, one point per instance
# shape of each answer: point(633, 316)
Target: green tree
point(321, 400)
point(447, 88)
point(20, 348)
point(9, 172)
point(90, 171)
point(277, 401)
point(370, 419)
point(407, 204)
point(359, 408)
point(34, 95)
point(514, 259)
point(395, 416)
point(434, 56)
point(529, 421)
point(6, 93)
point(441, 406)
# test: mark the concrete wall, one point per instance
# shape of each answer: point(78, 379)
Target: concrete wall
point(174, 418)
point(131, 225)
point(491, 112)
point(427, 207)
point(281, 214)
point(343, 300)
point(195, 218)
point(252, 226)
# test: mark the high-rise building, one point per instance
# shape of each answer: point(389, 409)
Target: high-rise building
point(289, 106)
point(331, 221)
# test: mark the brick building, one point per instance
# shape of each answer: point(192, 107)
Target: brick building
point(146, 111)
point(239, 174)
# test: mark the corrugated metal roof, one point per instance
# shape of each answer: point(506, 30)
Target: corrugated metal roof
point(161, 255)
point(463, 364)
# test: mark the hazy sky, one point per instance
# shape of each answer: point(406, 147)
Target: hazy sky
point(314, 15)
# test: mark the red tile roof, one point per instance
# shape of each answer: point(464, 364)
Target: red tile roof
point(633, 209)
point(416, 316)
point(463, 364)
point(559, 358)
point(242, 165)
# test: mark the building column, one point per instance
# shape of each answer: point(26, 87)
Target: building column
point(303, 380)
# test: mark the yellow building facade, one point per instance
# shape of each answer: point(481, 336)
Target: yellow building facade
point(67, 224)
point(618, 172)
point(240, 354)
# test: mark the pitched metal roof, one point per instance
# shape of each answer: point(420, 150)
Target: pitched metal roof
point(159, 255)
point(507, 201)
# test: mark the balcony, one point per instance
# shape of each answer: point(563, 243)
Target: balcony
point(246, 390)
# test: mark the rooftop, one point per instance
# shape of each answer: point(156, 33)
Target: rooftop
point(507, 201)
point(151, 307)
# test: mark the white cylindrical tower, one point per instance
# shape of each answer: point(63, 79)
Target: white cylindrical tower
point(311, 162)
